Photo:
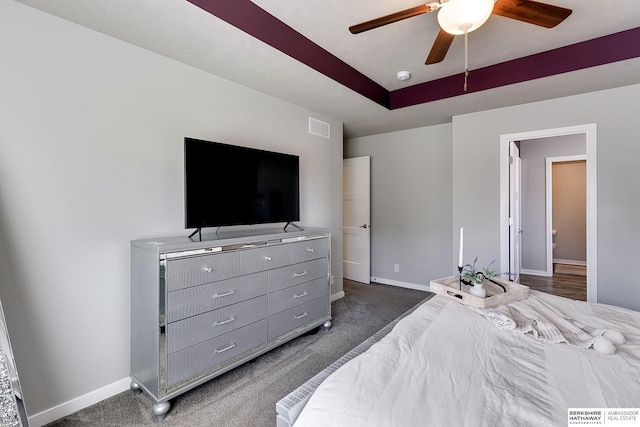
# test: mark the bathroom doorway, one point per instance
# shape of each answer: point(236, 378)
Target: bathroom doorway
point(566, 214)
point(535, 148)
point(566, 211)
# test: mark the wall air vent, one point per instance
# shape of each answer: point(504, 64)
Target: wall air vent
point(320, 128)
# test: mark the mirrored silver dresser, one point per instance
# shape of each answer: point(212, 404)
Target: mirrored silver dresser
point(201, 308)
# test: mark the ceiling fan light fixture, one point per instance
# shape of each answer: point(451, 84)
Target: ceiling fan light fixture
point(464, 16)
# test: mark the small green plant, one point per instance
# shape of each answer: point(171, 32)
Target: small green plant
point(473, 274)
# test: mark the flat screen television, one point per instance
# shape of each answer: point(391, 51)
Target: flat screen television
point(232, 185)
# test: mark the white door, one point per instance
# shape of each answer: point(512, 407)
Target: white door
point(356, 218)
point(515, 215)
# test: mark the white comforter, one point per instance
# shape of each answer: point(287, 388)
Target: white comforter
point(446, 365)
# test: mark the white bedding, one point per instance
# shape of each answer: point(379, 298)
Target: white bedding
point(446, 365)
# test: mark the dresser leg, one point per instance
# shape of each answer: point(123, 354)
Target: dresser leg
point(160, 410)
point(135, 387)
point(326, 325)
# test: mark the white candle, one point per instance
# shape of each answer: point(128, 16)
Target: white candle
point(461, 245)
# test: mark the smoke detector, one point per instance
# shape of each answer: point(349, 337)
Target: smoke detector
point(403, 75)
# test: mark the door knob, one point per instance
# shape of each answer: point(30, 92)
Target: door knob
point(364, 226)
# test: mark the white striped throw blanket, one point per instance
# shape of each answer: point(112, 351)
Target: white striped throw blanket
point(548, 324)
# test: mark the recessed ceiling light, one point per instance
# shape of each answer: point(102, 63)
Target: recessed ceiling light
point(403, 75)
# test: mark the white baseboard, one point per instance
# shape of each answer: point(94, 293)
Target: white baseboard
point(398, 283)
point(570, 262)
point(81, 402)
point(337, 296)
point(534, 272)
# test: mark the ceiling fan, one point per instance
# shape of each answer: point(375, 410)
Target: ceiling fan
point(463, 16)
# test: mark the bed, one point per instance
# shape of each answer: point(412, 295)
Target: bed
point(444, 363)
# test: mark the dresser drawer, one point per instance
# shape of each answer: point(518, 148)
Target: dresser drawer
point(301, 315)
point(197, 360)
point(199, 299)
point(296, 295)
point(185, 272)
point(194, 330)
point(298, 273)
point(308, 249)
point(263, 258)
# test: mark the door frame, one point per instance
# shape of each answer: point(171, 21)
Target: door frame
point(515, 212)
point(590, 131)
point(549, 206)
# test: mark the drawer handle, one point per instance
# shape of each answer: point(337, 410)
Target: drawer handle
point(267, 258)
point(305, 314)
point(224, 322)
point(310, 250)
point(208, 269)
point(229, 347)
point(304, 294)
point(226, 294)
point(304, 273)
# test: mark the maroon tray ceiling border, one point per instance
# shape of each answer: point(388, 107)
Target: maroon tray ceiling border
point(255, 21)
point(248, 17)
point(603, 50)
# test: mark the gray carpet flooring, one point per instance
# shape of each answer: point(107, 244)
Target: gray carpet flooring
point(246, 396)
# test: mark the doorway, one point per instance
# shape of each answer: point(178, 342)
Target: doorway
point(566, 214)
point(565, 223)
point(506, 249)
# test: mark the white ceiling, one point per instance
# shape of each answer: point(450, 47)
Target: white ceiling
point(179, 30)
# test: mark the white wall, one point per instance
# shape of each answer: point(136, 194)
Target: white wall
point(401, 171)
point(91, 156)
point(476, 178)
point(410, 203)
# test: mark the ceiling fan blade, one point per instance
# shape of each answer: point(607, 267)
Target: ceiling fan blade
point(389, 19)
point(533, 12)
point(440, 47)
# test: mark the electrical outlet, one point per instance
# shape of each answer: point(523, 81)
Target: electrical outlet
point(396, 268)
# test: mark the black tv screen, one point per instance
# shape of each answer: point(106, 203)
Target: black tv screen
point(231, 185)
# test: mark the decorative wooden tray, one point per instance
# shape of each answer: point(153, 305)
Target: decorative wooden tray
point(450, 288)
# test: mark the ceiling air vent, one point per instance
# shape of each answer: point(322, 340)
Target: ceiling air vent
point(320, 128)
